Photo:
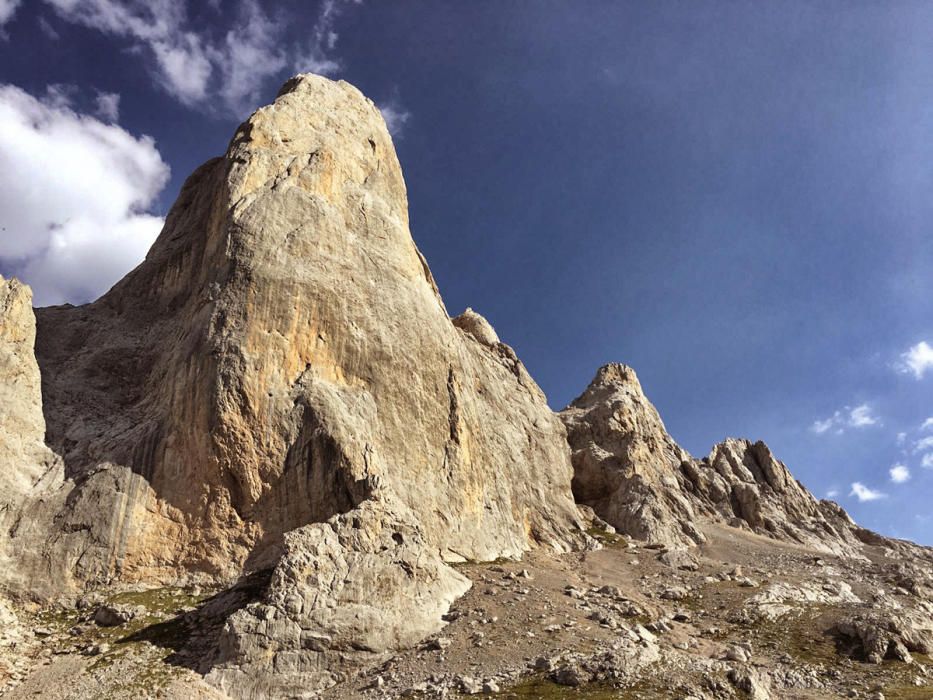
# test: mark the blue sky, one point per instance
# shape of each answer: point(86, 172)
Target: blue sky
point(734, 198)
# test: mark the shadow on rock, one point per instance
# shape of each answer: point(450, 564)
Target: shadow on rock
point(193, 636)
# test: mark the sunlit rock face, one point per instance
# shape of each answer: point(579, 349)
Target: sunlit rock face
point(24, 459)
point(280, 357)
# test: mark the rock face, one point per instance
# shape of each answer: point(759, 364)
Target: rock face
point(26, 464)
point(639, 480)
point(626, 466)
point(282, 349)
point(282, 361)
point(23, 454)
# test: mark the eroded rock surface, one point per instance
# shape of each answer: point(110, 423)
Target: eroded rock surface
point(360, 585)
point(626, 466)
point(24, 458)
point(282, 348)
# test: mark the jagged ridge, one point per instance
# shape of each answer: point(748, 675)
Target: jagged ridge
point(638, 479)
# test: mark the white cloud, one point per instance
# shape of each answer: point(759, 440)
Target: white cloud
point(927, 424)
point(901, 438)
point(899, 473)
point(250, 55)
point(108, 106)
point(7, 10)
point(821, 426)
point(317, 56)
point(863, 493)
point(924, 444)
point(395, 117)
point(179, 58)
point(927, 461)
point(212, 70)
point(184, 69)
point(917, 360)
point(73, 197)
point(832, 493)
point(47, 29)
point(859, 417)
point(59, 95)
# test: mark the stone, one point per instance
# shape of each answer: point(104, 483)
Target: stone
point(438, 644)
point(24, 458)
point(878, 636)
point(674, 593)
point(751, 683)
point(737, 653)
point(469, 685)
point(625, 464)
point(27, 465)
point(568, 675)
point(114, 615)
point(350, 574)
point(781, 598)
point(679, 559)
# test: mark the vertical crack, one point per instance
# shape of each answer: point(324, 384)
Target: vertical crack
point(453, 415)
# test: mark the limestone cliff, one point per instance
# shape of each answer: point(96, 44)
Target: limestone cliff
point(283, 349)
point(633, 474)
point(25, 461)
point(281, 362)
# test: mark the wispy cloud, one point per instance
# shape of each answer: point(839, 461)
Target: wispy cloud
point(917, 360)
point(108, 106)
point(924, 444)
point(204, 70)
point(899, 473)
point(832, 493)
point(395, 116)
point(47, 29)
point(927, 424)
point(249, 55)
point(823, 426)
point(318, 55)
point(865, 494)
point(927, 461)
point(7, 10)
point(860, 416)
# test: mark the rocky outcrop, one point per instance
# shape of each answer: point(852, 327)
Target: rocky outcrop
point(278, 369)
point(878, 636)
point(744, 484)
point(24, 458)
point(346, 592)
point(626, 466)
point(26, 464)
point(639, 480)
